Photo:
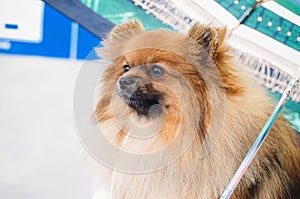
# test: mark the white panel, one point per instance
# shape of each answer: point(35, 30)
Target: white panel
point(21, 20)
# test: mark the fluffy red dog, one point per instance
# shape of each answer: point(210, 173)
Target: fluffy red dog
point(169, 89)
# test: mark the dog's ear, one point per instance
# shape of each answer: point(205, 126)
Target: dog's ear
point(207, 37)
point(126, 30)
point(211, 45)
point(112, 46)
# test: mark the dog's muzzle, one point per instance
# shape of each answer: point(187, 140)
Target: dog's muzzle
point(140, 96)
point(126, 87)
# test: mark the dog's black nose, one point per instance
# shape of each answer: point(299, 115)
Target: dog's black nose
point(126, 81)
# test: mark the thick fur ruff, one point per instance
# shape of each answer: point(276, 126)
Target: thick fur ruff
point(190, 95)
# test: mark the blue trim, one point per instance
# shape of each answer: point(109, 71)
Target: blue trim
point(11, 26)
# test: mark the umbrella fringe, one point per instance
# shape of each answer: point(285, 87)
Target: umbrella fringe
point(264, 72)
point(167, 12)
point(267, 74)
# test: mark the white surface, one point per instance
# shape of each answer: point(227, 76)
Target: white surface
point(28, 15)
point(40, 154)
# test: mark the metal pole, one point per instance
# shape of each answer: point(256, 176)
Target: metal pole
point(260, 138)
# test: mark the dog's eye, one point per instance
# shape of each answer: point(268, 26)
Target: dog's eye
point(157, 71)
point(126, 68)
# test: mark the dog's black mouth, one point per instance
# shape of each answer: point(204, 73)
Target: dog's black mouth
point(144, 101)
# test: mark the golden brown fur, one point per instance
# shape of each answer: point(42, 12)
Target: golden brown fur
point(192, 101)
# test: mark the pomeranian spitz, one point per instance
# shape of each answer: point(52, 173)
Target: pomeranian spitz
point(182, 104)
